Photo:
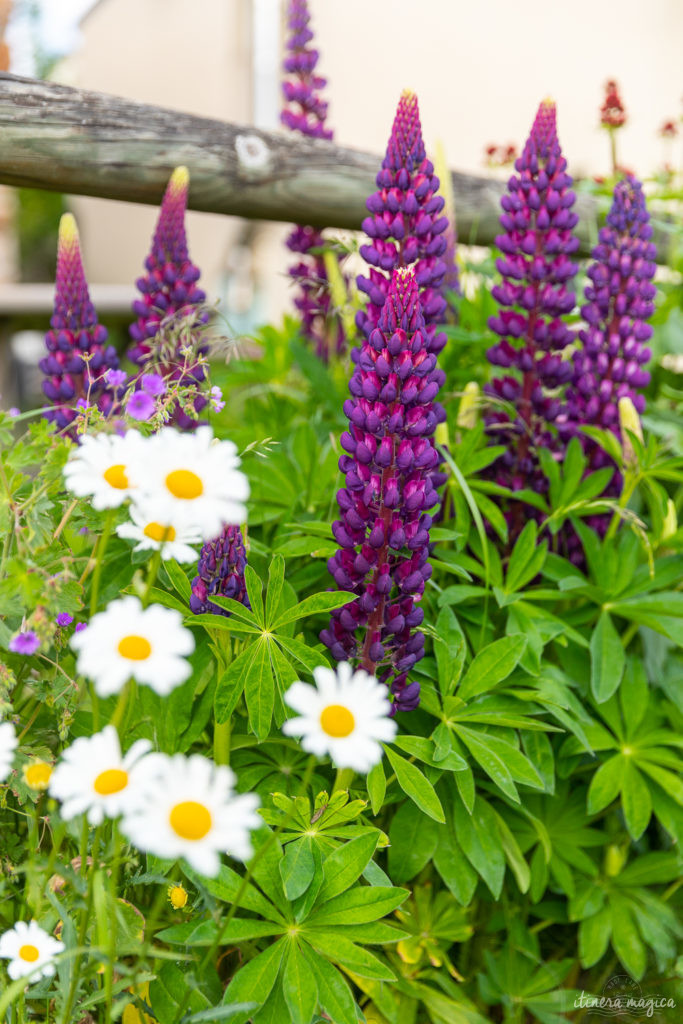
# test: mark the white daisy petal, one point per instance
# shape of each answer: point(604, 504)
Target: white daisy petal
point(100, 467)
point(344, 715)
point(30, 950)
point(126, 640)
point(8, 744)
point(154, 528)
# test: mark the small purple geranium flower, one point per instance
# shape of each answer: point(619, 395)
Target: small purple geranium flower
point(81, 626)
point(25, 642)
point(116, 378)
point(64, 619)
point(140, 406)
point(153, 384)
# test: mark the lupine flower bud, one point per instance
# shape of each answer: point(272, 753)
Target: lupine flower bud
point(610, 364)
point(305, 112)
point(383, 531)
point(535, 263)
point(78, 356)
point(406, 226)
point(629, 421)
point(170, 298)
point(670, 524)
point(469, 406)
point(220, 572)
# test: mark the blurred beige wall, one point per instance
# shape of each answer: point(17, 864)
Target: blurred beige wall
point(479, 69)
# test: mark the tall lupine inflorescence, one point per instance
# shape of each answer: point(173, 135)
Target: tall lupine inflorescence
point(171, 303)
point(305, 111)
point(383, 531)
point(610, 363)
point(536, 247)
point(220, 572)
point(406, 226)
point(78, 355)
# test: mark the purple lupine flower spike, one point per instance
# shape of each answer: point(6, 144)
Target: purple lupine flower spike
point(383, 531)
point(610, 364)
point(406, 225)
point(78, 356)
point(220, 572)
point(170, 295)
point(306, 112)
point(536, 247)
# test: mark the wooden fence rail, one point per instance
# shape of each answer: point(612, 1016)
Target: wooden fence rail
point(88, 143)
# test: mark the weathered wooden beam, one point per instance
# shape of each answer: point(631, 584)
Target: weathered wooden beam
point(88, 143)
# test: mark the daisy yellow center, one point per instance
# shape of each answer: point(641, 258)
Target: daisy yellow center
point(190, 820)
point(135, 648)
point(155, 531)
point(29, 953)
point(113, 780)
point(183, 483)
point(178, 896)
point(38, 775)
point(116, 476)
point(337, 721)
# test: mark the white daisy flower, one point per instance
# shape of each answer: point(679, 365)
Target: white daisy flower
point(197, 479)
point(127, 640)
point(8, 744)
point(100, 467)
point(189, 810)
point(93, 777)
point(344, 715)
point(30, 950)
point(153, 529)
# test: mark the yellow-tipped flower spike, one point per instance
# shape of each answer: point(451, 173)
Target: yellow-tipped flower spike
point(469, 406)
point(68, 231)
point(180, 179)
point(629, 420)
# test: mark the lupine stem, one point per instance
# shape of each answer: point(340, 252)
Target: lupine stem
point(101, 550)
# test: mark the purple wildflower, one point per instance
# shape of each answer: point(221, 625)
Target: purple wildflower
point(153, 384)
point(609, 365)
point(170, 295)
point(78, 357)
point(406, 226)
point(384, 527)
point(25, 642)
point(220, 571)
point(80, 626)
point(64, 619)
point(140, 406)
point(216, 399)
point(116, 378)
point(536, 246)
point(305, 112)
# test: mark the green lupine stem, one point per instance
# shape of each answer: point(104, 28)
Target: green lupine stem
point(343, 779)
point(99, 561)
point(221, 742)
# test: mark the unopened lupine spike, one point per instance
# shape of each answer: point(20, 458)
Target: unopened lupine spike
point(171, 300)
point(383, 529)
point(536, 266)
point(78, 356)
point(220, 572)
point(406, 225)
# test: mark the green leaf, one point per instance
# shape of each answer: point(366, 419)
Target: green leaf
point(594, 936)
point(341, 950)
point(607, 659)
point(178, 579)
point(413, 837)
point(255, 592)
point(226, 886)
point(254, 981)
point(415, 785)
point(493, 664)
point(276, 579)
point(465, 784)
point(454, 868)
point(449, 650)
point(358, 905)
point(299, 987)
point(479, 838)
point(651, 869)
point(625, 939)
point(297, 867)
point(324, 602)
point(215, 1013)
point(333, 991)
point(526, 560)
point(230, 686)
point(346, 864)
point(377, 786)
point(259, 690)
point(240, 929)
point(237, 611)
point(635, 800)
point(495, 768)
point(605, 784)
point(513, 855)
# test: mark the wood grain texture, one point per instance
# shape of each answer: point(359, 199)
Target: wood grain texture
point(88, 143)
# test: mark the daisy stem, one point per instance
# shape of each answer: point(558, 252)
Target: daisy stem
point(153, 570)
point(86, 914)
point(260, 853)
point(221, 742)
point(101, 549)
point(119, 710)
point(343, 779)
point(111, 944)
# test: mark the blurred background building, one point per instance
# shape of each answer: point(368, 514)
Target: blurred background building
point(479, 69)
